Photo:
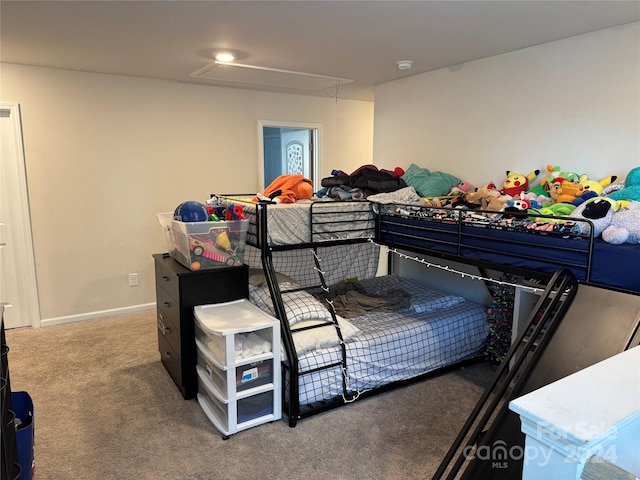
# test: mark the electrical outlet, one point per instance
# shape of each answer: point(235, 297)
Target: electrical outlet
point(133, 280)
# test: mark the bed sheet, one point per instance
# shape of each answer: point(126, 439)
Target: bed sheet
point(307, 221)
point(395, 346)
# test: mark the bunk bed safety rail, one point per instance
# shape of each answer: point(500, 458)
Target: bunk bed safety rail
point(304, 223)
point(328, 221)
point(539, 243)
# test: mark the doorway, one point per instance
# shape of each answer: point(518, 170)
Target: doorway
point(288, 148)
point(18, 287)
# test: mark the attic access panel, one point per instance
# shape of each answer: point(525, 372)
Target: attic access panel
point(236, 74)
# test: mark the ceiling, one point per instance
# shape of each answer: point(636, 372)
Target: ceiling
point(359, 40)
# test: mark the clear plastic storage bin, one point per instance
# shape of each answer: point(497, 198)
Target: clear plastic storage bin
point(204, 245)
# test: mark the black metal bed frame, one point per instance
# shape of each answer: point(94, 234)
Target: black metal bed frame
point(518, 363)
point(291, 369)
point(385, 233)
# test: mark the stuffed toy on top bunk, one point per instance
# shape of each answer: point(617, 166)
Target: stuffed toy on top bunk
point(631, 189)
point(286, 189)
point(615, 222)
point(625, 225)
point(516, 183)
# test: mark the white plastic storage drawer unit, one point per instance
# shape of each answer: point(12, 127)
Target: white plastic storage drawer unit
point(238, 365)
point(247, 376)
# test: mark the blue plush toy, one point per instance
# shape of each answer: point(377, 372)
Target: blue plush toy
point(631, 190)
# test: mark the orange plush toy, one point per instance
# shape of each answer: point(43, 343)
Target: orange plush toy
point(287, 189)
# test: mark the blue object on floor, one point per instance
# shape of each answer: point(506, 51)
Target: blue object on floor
point(23, 409)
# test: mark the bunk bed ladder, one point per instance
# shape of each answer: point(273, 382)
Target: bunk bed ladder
point(343, 348)
point(291, 372)
point(513, 371)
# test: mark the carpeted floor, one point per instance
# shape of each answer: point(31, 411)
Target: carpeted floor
point(105, 408)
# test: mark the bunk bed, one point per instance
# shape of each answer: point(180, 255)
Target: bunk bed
point(300, 255)
point(304, 250)
point(523, 243)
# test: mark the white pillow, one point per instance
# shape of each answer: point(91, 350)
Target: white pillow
point(321, 337)
point(298, 306)
point(430, 300)
point(423, 298)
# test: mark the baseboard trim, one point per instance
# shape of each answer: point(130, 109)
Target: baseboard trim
point(49, 322)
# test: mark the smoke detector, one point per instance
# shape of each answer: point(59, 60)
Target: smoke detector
point(404, 64)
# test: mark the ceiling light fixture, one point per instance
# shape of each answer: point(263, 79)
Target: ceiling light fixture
point(224, 57)
point(404, 64)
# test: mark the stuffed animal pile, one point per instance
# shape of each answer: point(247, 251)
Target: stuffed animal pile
point(612, 208)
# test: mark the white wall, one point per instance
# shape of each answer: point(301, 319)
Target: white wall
point(573, 103)
point(105, 153)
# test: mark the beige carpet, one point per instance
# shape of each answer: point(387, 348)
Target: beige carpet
point(105, 408)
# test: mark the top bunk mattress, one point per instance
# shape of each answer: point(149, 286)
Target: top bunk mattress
point(305, 221)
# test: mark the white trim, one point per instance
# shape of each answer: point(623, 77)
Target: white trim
point(22, 241)
point(317, 141)
point(48, 322)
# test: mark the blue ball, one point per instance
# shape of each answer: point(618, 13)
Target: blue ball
point(191, 211)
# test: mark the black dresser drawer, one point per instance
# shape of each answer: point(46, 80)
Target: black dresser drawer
point(171, 361)
point(168, 330)
point(167, 276)
point(169, 306)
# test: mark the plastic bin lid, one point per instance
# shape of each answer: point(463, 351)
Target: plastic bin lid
point(236, 316)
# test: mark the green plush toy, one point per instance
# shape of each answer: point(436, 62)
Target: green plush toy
point(555, 171)
point(555, 210)
point(562, 209)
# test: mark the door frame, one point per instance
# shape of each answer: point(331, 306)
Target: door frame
point(21, 240)
point(317, 151)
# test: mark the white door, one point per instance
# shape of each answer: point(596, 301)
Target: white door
point(18, 290)
point(287, 148)
point(296, 152)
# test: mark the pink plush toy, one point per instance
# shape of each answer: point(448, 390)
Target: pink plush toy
point(535, 201)
point(462, 187)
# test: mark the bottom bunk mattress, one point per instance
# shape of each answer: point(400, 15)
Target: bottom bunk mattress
point(437, 330)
